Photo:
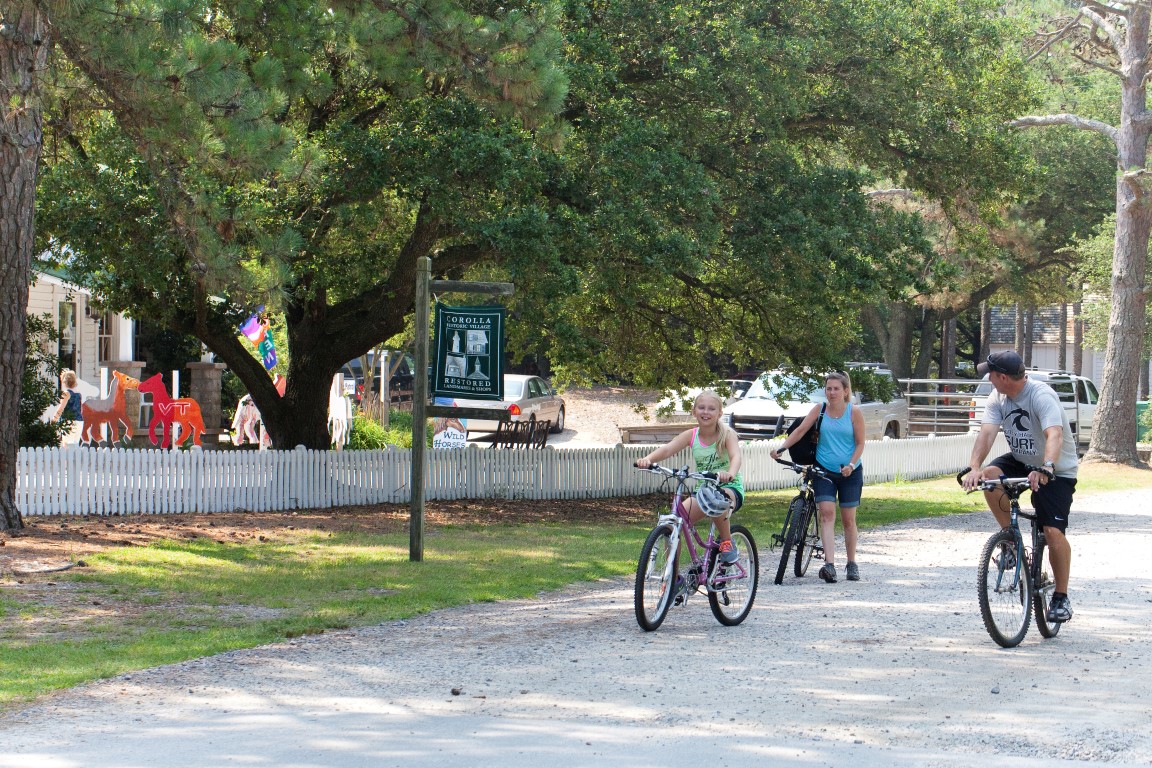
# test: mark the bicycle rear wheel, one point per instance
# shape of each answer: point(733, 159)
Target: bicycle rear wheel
point(1042, 588)
point(1004, 590)
point(806, 545)
point(731, 598)
point(655, 578)
point(791, 537)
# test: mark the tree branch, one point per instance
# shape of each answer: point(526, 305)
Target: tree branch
point(1054, 38)
point(1098, 65)
point(1075, 121)
point(1114, 35)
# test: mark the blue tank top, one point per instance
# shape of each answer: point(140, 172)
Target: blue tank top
point(837, 440)
point(73, 407)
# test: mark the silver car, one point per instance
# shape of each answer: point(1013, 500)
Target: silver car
point(528, 398)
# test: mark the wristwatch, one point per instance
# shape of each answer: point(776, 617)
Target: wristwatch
point(1050, 469)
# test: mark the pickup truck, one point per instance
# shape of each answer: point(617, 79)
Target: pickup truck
point(776, 398)
point(1077, 393)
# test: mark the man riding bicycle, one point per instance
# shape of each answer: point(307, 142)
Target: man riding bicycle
point(1039, 435)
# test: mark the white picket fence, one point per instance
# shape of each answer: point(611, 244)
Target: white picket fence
point(102, 481)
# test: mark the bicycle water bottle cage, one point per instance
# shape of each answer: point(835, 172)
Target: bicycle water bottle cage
point(713, 501)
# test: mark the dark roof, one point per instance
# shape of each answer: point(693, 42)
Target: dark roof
point(1046, 330)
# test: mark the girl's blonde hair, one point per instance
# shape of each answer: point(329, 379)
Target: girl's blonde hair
point(841, 377)
point(68, 376)
point(721, 442)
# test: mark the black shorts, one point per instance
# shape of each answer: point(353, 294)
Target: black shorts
point(737, 498)
point(1053, 502)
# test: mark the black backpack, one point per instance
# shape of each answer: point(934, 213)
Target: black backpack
point(804, 452)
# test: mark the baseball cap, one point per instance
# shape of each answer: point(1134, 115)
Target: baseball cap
point(1005, 361)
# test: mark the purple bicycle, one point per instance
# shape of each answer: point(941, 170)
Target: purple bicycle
point(661, 584)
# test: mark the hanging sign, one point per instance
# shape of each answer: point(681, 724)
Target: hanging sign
point(469, 360)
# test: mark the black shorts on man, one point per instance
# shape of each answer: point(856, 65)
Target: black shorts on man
point(1052, 502)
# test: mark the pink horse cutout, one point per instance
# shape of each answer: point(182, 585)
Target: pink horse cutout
point(167, 412)
point(111, 410)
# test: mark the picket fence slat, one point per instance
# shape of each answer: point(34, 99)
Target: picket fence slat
point(102, 481)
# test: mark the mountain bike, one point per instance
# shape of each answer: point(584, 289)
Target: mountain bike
point(800, 536)
point(661, 584)
point(1011, 580)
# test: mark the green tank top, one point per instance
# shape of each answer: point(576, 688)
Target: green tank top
point(707, 459)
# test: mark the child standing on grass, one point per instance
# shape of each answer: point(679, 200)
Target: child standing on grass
point(715, 448)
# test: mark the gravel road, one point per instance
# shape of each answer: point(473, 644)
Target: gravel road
point(893, 670)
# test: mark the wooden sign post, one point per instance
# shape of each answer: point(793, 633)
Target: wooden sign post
point(420, 408)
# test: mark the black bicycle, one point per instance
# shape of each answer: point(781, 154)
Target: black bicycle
point(1011, 580)
point(800, 536)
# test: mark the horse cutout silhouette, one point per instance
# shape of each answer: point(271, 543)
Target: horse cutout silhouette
point(166, 412)
point(111, 410)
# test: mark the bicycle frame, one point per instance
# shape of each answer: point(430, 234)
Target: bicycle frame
point(1031, 588)
point(697, 547)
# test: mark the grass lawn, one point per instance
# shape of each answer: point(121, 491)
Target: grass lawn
point(139, 607)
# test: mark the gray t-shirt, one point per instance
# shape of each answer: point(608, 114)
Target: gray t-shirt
point(1024, 419)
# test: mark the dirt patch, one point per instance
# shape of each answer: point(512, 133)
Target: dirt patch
point(49, 544)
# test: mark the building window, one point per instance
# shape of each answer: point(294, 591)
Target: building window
point(67, 330)
point(104, 339)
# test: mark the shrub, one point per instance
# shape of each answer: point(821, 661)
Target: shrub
point(39, 387)
point(368, 434)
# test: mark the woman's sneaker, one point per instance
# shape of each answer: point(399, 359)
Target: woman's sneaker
point(828, 573)
point(728, 552)
point(853, 571)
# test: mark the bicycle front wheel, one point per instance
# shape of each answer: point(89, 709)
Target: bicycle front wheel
point(806, 545)
point(1043, 587)
point(655, 578)
point(1004, 590)
point(732, 586)
point(791, 537)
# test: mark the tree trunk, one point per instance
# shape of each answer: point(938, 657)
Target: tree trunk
point(23, 56)
point(1114, 427)
point(1029, 335)
point(1077, 340)
point(927, 344)
point(985, 331)
point(895, 336)
point(1144, 378)
point(1018, 331)
point(948, 349)
point(1062, 350)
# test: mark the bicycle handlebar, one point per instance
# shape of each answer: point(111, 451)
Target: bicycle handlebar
point(802, 468)
point(1007, 483)
point(681, 473)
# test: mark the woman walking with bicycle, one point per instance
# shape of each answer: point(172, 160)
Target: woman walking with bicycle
point(841, 444)
point(715, 448)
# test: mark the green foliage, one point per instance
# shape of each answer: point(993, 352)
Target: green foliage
point(1095, 253)
point(868, 384)
point(369, 434)
point(39, 387)
point(703, 200)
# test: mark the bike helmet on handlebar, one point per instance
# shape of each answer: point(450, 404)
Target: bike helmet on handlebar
point(713, 501)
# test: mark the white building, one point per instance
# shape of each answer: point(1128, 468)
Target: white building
point(89, 339)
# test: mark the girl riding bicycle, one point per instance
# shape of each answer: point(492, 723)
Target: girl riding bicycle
point(841, 445)
point(715, 448)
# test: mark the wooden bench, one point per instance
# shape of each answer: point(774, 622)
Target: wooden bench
point(652, 434)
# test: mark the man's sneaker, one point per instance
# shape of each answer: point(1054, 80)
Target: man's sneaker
point(728, 552)
point(1059, 610)
point(828, 573)
point(1008, 557)
point(853, 571)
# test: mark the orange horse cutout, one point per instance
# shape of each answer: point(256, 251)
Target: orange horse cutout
point(111, 410)
point(166, 412)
